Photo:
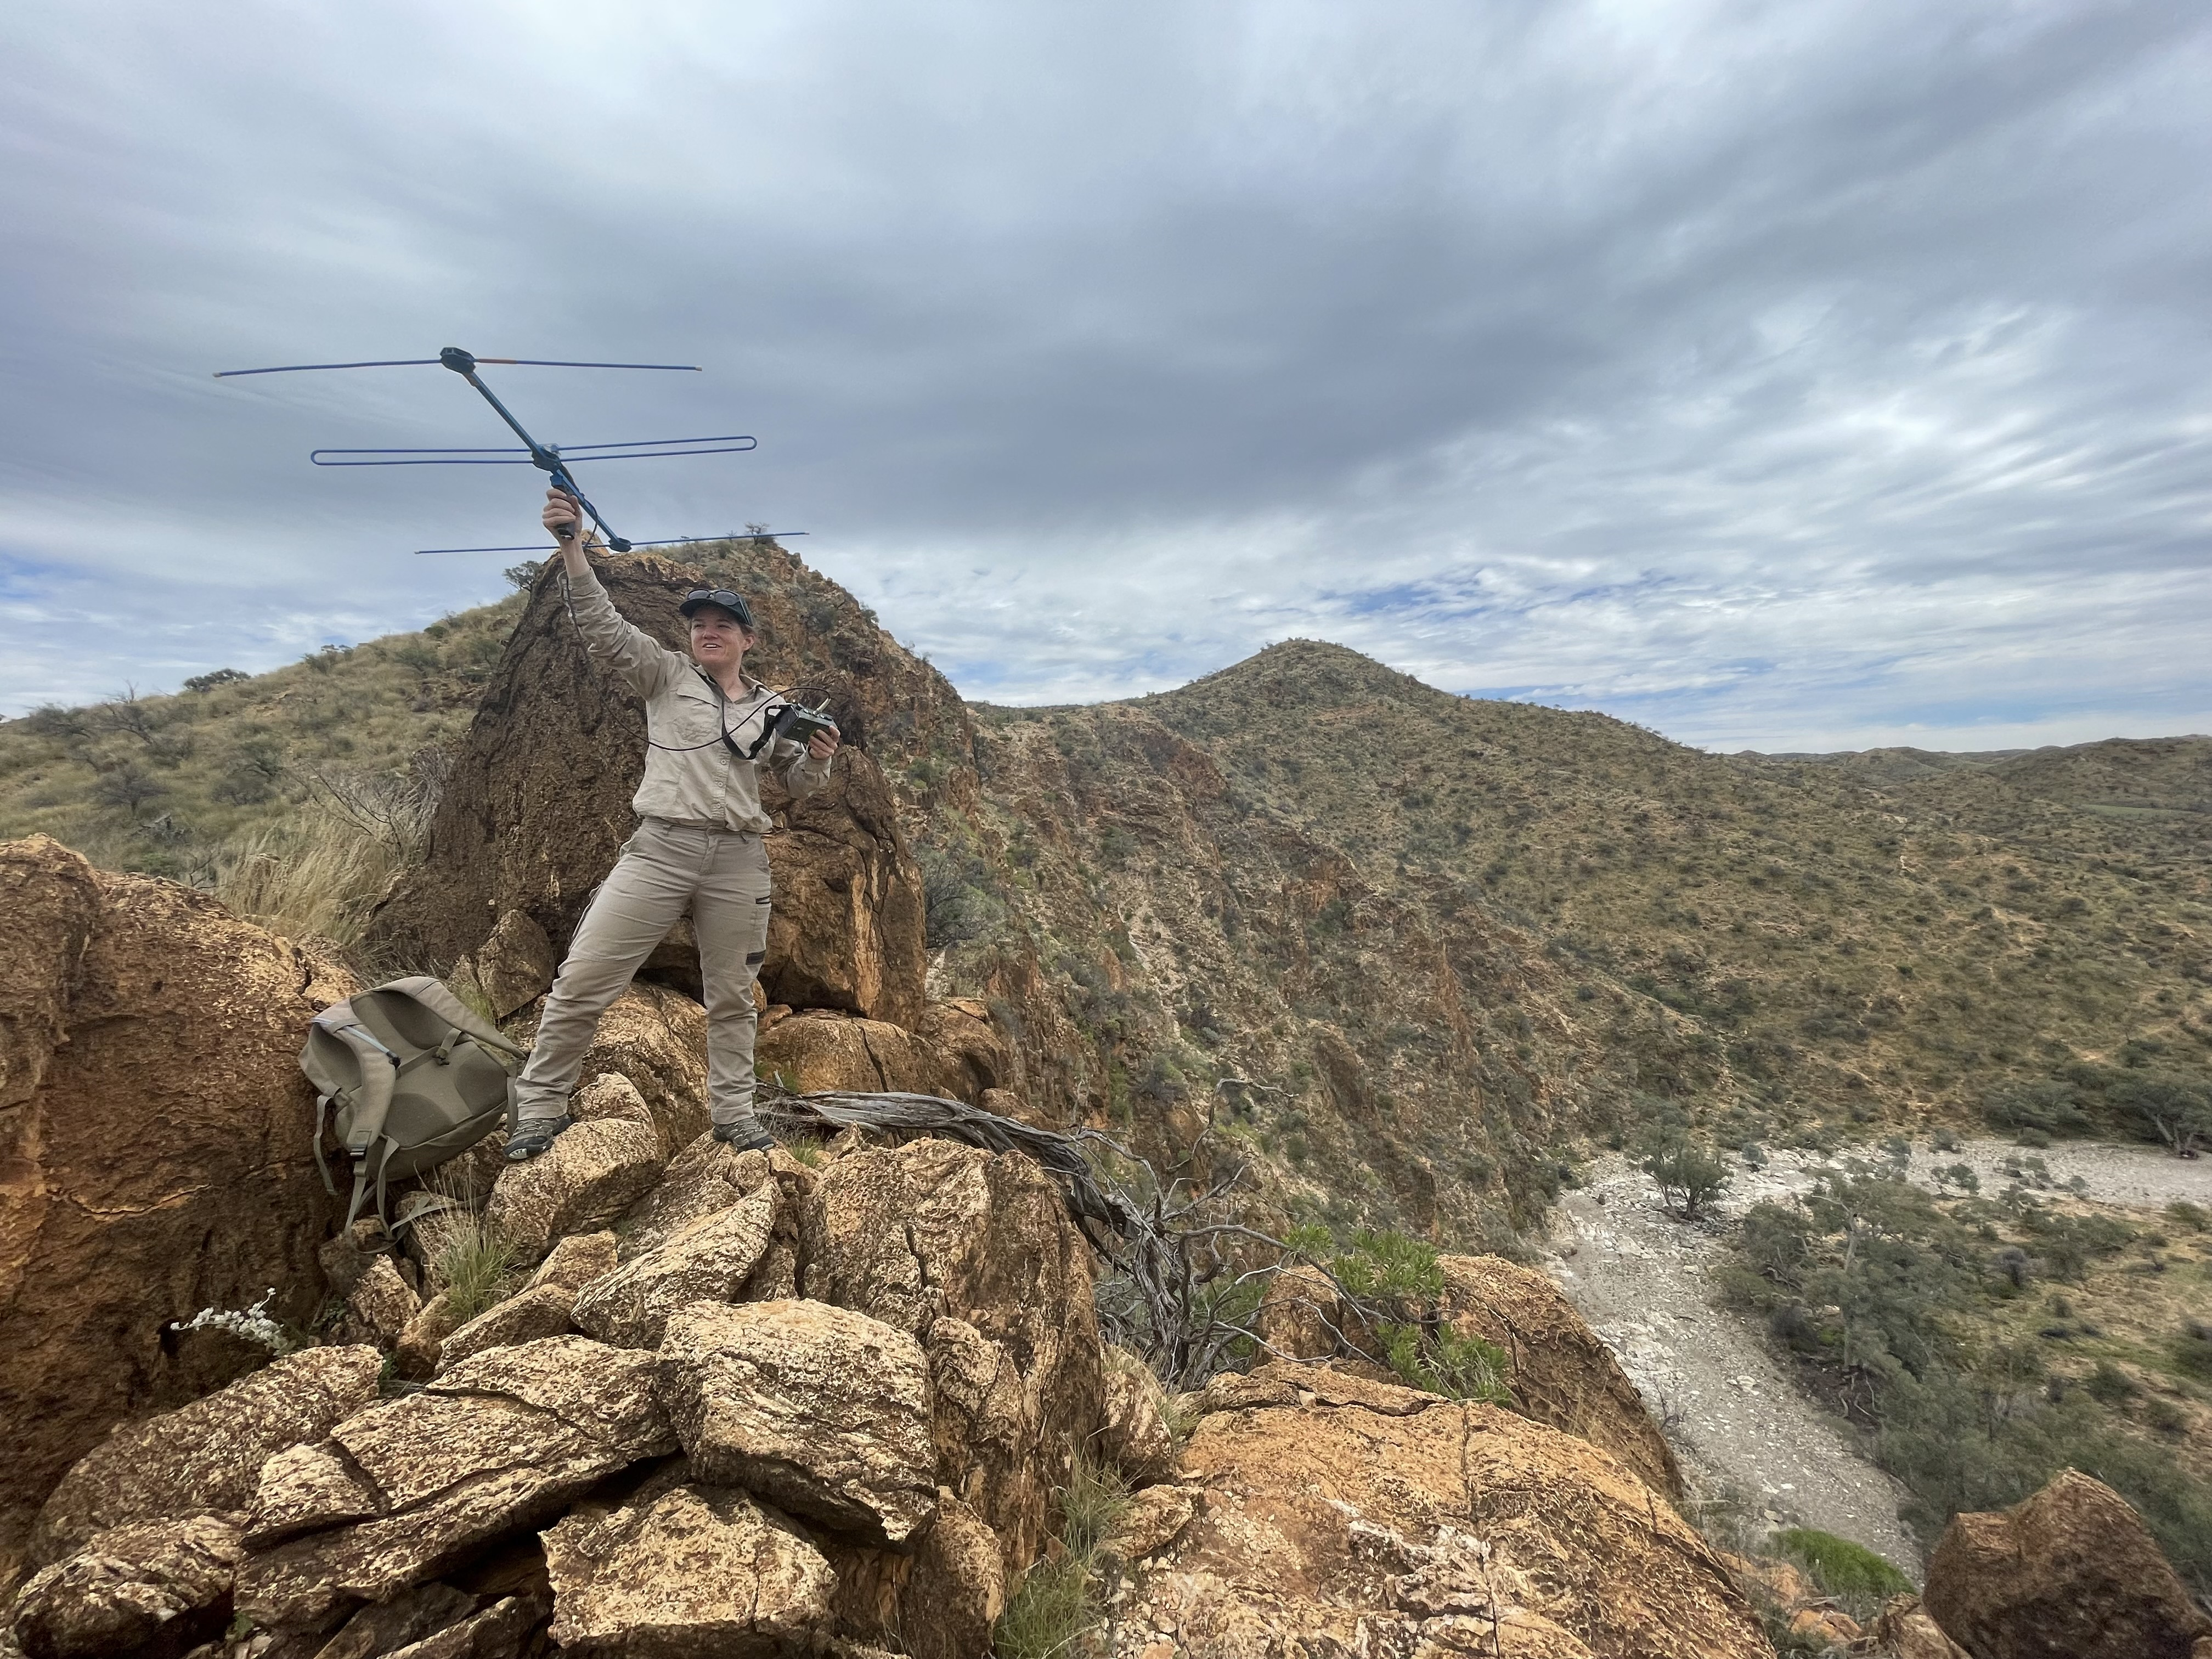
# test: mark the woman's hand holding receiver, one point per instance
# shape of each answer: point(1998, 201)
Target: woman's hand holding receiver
point(564, 518)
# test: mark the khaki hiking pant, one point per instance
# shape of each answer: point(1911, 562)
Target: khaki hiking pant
point(720, 876)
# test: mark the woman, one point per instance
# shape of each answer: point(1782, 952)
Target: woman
point(698, 850)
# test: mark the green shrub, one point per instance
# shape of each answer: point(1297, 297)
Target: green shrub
point(1850, 1572)
point(2192, 1349)
point(2049, 1107)
point(1439, 1360)
point(1054, 1608)
point(1689, 1176)
point(1963, 1428)
point(1390, 1268)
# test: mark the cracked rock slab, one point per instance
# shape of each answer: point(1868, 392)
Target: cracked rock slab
point(207, 1456)
point(708, 1261)
point(151, 1590)
point(688, 1569)
point(822, 1411)
point(530, 1316)
point(504, 1441)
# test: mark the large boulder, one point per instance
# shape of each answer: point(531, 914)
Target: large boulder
point(538, 802)
point(409, 1488)
point(206, 1456)
point(1561, 1373)
point(975, 1255)
point(155, 1152)
point(955, 1052)
point(1361, 1517)
point(148, 1591)
point(825, 1411)
point(2071, 1572)
point(686, 1569)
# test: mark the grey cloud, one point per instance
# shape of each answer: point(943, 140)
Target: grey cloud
point(1766, 369)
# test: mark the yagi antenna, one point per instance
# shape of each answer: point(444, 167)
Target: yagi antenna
point(546, 457)
point(675, 541)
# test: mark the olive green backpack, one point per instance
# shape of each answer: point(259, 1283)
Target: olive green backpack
point(416, 1077)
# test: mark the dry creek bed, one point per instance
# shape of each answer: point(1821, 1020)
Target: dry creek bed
point(1740, 1424)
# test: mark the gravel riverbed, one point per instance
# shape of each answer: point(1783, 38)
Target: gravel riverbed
point(1738, 1420)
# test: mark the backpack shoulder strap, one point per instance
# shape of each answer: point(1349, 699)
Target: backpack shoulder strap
point(371, 1100)
point(432, 995)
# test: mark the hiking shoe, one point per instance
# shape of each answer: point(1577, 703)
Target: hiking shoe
point(534, 1136)
point(747, 1137)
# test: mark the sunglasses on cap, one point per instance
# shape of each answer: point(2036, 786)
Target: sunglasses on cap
point(733, 603)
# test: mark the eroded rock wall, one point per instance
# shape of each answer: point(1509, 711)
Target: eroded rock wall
point(155, 1155)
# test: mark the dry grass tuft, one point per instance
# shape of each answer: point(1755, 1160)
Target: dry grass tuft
point(315, 875)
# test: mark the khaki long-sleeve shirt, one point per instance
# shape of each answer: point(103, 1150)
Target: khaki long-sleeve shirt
point(691, 775)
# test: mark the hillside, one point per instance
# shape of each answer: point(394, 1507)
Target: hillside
point(1444, 942)
point(237, 782)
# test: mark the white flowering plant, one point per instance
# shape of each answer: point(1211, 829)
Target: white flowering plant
point(252, 1323)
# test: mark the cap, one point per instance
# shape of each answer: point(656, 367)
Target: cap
point(733, 603)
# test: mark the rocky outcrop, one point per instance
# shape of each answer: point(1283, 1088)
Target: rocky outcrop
point(575, 1261)
point(703, 1180)
point(823, 1049)
point(538, 801)
point(2071, 1572)
point(207, 1456)
point(1388, 1521)
point(155, 1155)
point(825, 1411)
point(1561, 1372)
point(983, 1267)
point(686, 1569)
point(152, 1590)
point(531, 1316)
point(406, 1489)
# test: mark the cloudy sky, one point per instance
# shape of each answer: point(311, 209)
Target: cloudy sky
point(1781, 375)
